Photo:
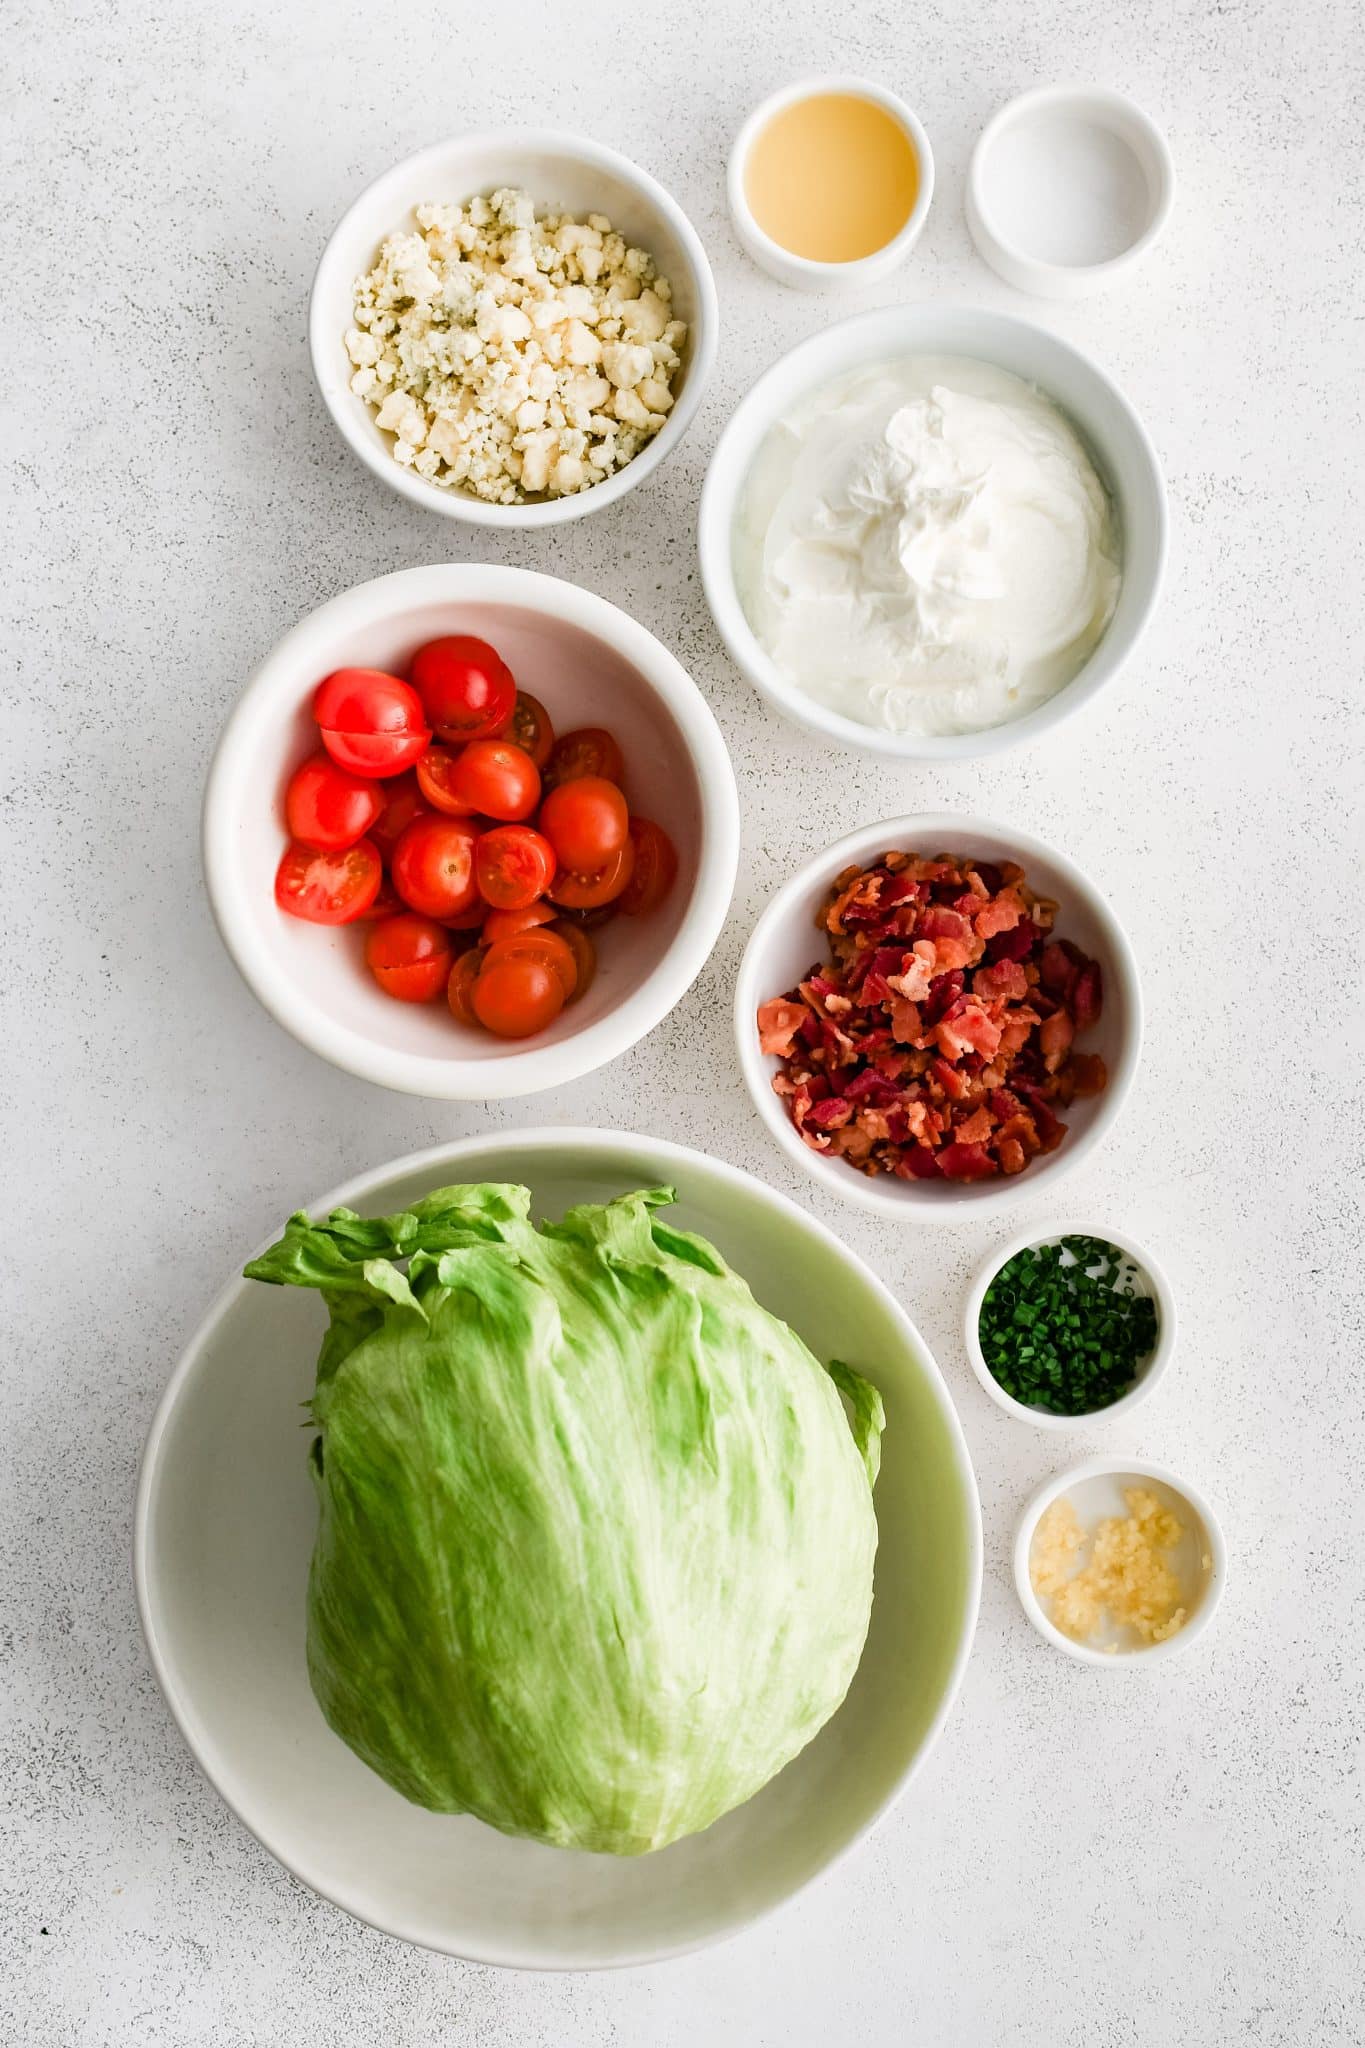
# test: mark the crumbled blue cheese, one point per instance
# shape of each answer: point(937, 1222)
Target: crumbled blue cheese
point(513, 356)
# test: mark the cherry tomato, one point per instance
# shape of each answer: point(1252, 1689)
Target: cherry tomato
point(403, 803)
point(540, 944)
point(575, 891)
point(656, 868)
point(514, 865)
point(505, 924)
point(434, 772)
point(388, 903)
point(327, 808)
point(460, 987)
point(584, 956)
point(328, 888)
point(497, 778)
point(588, 751)
point(433, 867)
point(515, 997)
point(372, 723)
point(465, 686)
point(410, 957)
point(531, 729)
point(586, 822)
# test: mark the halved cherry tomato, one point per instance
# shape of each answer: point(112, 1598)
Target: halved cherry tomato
point(575, 891)
point(514, 864)
point(410, 957)
point(328, 888)
point(434, 772)
point(466, 687)
point(403, 803)
point(433, 867)
point(328, 808)
point(372, 723)
point(505, 924)
point(584, 956)
point(585, 821)
point(540, 944)
point(588, 751)
point(497, 778)
point(460, 987)
point(531, 729)
point(656, 868)
point(517, 996)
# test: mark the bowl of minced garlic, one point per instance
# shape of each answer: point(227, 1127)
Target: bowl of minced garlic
point(1115, 1561)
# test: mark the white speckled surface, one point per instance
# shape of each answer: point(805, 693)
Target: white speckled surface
point(1090, 1860)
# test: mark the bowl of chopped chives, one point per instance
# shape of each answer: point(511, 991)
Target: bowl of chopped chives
point(1064, 1326)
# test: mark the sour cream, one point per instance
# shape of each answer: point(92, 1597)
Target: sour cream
point(926, 547)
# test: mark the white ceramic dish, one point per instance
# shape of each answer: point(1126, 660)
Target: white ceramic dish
point(801, 271)
point(1068, 190)
point(1199, 1561)
point(786, 943)
point(224, 1530)
point(1148, 1279)
point(590, 665)
point(1121, 450)
point(557, 170)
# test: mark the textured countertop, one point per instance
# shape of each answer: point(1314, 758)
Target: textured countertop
point(1089, 1860)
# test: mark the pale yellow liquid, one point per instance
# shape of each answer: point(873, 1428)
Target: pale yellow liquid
point(832, 178)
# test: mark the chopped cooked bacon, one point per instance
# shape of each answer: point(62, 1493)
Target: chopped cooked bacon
point(1001, 914)
point(777, 1024)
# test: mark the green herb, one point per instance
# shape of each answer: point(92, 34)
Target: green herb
point(1063, 1328)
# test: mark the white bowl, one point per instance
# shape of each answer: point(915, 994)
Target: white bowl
point(1068, 189)
point(224, 1530)
point(801, 271)
point(1096, 1490)
point(590, 665)
point(557, 170)
point(786, 943)
point(1148, 1279)
point(1116, 440)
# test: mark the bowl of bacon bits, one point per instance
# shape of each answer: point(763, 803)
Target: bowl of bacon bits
point(938, 1013)
point(470, 832)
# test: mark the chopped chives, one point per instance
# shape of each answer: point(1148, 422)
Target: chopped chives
point(1063, 1328)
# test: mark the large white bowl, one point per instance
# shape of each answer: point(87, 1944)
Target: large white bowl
point(1118, 444)
point(224, 1530)
point(591, 665)
point(786, 943)
point(557, 170)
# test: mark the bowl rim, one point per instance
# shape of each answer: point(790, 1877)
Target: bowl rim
point(1136, 1468)
point(438, 1158)
point(534, 1067)
point(807, 270)
point(341, 401)
point(719, 505)
point(985, 1196)
point(1157, 1362)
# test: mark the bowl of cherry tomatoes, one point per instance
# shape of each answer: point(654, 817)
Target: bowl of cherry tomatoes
point(470, 831)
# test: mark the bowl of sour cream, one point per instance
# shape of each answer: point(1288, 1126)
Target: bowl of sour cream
point(932, 532)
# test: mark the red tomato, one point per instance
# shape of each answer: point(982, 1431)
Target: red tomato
point(388, 903)
point(656, 868)
point(409, 956)
point(574, 891)
point(539, 945)
point(497, 778)
point(506, 924)
point(403, 803)
point(434, 772)
point(327, 808)
point(584, 957)
point(460, 987)
point(433, 867)
point(531, 729)
point(514, 865)
point(588, 751)
point(465, 686)
point(372, 723)
point(585, 821)
point(328, 888)
point(517, 996)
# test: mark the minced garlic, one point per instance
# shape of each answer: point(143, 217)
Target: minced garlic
point(1126, 1579)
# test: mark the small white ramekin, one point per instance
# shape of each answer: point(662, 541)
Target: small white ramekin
point(557, 170)
point(800, 271)
point(1209, 1579)
point(1150, 1280)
